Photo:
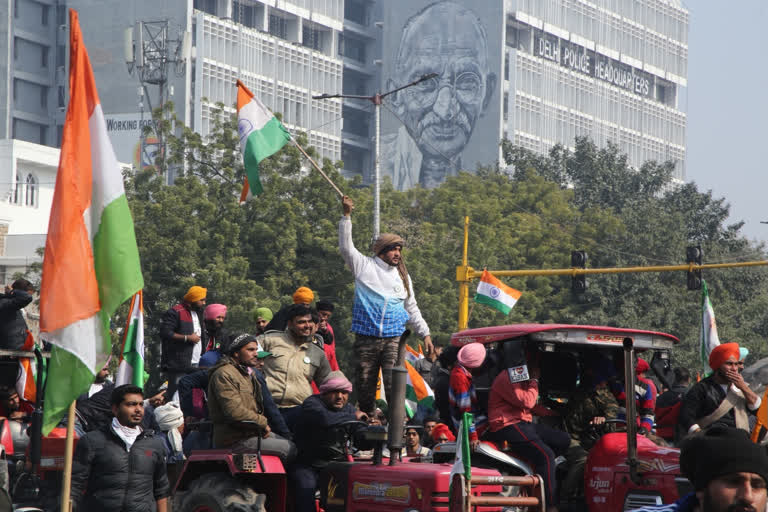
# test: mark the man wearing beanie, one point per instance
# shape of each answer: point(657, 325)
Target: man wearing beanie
point(279, 321)
point(721, 399)
point(236, 403)
point(729, 473)
point(384, 303)
point(183, 337)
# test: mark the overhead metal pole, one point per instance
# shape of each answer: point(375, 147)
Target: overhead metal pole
point(377, 100)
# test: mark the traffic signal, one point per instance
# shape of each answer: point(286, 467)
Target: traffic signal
point(579, 282)
point(693, 254)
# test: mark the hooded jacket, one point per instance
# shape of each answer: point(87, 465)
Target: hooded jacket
point(234, 396)
point(13, 327)
point(106, 476)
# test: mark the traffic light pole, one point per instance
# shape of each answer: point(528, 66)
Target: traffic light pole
point(465, 274)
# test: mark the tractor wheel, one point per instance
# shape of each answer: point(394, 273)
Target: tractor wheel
point(219, 492)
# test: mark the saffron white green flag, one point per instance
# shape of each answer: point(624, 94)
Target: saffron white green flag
point(463, 464)
point(417, 391)
point(494, 293)
point(91, 263)
point(708, 338)
point(131, 368)
point(261, 135)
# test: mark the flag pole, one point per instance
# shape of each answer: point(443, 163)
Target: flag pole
point(317, 167)
point(66, 478)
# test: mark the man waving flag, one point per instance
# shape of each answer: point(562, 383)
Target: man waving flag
point(91, 263)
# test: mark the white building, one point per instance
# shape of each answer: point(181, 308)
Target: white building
point(27, 180)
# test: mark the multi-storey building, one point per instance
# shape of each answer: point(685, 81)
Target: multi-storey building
point(555, 69)
point(32, 69)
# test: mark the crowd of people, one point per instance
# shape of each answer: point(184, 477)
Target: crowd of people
point(279, 388)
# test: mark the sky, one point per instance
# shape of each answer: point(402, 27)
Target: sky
point(728, 106)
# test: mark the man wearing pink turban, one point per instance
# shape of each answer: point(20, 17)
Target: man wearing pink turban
point(723, 398)
point(461, 391)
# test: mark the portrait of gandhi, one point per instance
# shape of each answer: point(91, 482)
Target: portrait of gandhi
point(440, 114)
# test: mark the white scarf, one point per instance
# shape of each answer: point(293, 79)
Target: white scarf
point(127, 434)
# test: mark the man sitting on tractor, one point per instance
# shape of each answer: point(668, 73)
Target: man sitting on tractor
point(591, 405)
point(318, 439)
point(236, 404)
point(723, 398)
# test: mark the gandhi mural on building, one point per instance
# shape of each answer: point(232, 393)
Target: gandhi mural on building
point(439, 115)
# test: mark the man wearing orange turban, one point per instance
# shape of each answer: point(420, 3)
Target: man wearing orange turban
point(183, 336)
point(723, 398)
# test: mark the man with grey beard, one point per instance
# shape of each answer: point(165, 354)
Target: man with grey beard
point(438, 114)
point(296, 361)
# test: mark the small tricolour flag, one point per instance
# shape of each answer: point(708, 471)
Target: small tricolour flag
point(91, 262)
point(462, 465)
point(494, 293)
point(261, 136)
point(411, 355)
point(131, 368)
point(708, 338)
point(25, 381)
point(417, 391)
point(380, 393)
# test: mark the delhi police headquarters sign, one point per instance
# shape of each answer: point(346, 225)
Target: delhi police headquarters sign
point(591, 63)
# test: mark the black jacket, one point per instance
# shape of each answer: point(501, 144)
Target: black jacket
point(177, 355)
point(316, 441)
point(700, 401)
point(105, 476)
point(13, 327)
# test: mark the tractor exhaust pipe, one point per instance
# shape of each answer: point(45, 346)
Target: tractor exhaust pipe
point(397, 403)
point(629, 393)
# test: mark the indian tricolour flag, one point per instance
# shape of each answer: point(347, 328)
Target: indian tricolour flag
point(462, 465)
point(708, 338)
point(496, 294)
point(417, 391)
point(411, 355)
point(261, 136)
point(91, 261)
point(131, 368)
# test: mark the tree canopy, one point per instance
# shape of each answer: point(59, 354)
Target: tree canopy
point(529, 215)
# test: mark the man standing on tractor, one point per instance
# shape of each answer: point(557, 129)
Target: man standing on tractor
point(296, 361)
point(728, 471)
point(236, 405)
point(13, 326)
point(462, 395)
point(183, 337)
point(723, 398)
point(121, 467)
point(318, 438)
point(384, 303)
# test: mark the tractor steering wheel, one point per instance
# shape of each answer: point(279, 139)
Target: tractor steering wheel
point(594, 432)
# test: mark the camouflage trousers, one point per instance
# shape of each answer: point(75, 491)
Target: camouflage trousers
point(372, 353)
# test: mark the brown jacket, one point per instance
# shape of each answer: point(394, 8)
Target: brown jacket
point(234, 396)
point(292, 368)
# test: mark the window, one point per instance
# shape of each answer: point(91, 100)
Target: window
point(312, 38)
point(15, 8)
point(17, 190)
point(44, 97)
point(278, 26)
point(30, 195)
point(44, 56)
point(43, 134)
point(44, 15)
point(15, 48)
point(15, 89)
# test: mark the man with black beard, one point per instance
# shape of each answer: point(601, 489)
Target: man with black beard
point(296, 361)
point(728, 471)
point(183, 337)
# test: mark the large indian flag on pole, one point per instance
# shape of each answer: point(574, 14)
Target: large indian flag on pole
point(131, 368)
point(494, 293)
point(708, 338)
point(91, 262)
point(261, 136)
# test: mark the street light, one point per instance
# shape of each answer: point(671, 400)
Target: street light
point(376, 99)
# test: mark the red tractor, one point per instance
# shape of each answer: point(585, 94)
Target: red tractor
point(218, 480)
point(624, 470)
